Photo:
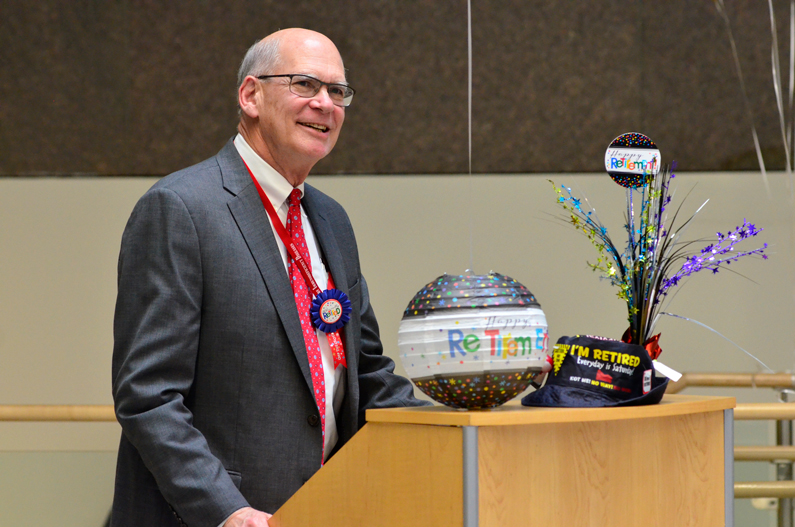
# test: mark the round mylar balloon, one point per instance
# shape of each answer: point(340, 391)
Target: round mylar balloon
point(632, 160)
point(473, 341)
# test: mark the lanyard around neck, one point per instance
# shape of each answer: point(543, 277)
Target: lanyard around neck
point(285, 237)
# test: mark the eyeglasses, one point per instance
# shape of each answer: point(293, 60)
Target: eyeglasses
point(306, 86)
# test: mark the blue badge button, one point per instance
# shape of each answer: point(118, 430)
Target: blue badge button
point(330, 310)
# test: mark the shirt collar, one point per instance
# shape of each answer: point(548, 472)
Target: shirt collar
point(275, 186)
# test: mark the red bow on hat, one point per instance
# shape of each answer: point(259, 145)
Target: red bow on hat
point(651, 344)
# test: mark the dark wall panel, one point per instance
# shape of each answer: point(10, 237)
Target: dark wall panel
point(147, 87)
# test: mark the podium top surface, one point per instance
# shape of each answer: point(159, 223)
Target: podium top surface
point(514, 413)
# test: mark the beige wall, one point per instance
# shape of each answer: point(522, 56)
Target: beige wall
point(59, 242)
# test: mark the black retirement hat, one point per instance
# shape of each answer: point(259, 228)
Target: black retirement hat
point(592, 371)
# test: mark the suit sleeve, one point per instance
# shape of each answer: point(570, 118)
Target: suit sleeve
point(379, 385)
point(156, 337)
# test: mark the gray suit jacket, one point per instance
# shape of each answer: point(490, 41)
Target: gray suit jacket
point(210, 376)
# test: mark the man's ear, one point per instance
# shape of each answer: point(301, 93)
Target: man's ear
point(247, 97)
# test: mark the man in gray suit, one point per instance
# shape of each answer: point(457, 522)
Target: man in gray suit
point(224, 414)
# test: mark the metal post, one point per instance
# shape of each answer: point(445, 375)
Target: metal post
point(784, 468)
point(728, 463)
point(470, 447)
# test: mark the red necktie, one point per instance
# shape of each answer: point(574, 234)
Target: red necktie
point(303, 299)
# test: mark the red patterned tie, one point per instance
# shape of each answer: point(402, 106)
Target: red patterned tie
point(303, 299)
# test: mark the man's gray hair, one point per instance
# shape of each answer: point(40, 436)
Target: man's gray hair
point(261, 59)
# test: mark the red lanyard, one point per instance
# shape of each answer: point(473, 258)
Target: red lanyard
point(292, 250)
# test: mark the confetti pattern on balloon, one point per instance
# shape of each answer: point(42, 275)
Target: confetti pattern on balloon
point(631, 180)
point(633, 140)
point(476, 391)
point(450, 292)
point(632, 160)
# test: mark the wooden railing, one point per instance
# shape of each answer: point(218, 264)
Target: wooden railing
point(783, 413)
point(784, 454)
point(31, 412)
point(733, 380)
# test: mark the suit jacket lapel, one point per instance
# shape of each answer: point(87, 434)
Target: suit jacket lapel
point(324, 232)
point(326, 238)
point(252, 220)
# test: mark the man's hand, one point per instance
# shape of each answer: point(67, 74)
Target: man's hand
point(248, 517)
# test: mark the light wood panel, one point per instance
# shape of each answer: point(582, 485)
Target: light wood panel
point(387, 475)
point(515, 414)
point(650, 472)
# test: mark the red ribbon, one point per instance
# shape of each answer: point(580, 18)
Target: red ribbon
point(651, 345)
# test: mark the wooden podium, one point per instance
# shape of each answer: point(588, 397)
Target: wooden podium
point(663, 465)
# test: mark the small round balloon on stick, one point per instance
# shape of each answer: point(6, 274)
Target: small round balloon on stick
point(632, 160)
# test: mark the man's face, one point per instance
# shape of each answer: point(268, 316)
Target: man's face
point(301, 131)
